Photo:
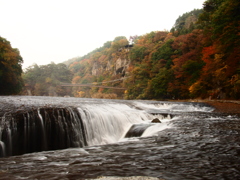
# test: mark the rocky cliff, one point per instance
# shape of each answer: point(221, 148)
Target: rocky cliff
point(102, 67)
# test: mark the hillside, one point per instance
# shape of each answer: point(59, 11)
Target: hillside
point(198, 58)
point(104, 65)
point(202, 63)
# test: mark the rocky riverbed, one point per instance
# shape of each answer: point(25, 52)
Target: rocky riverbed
point(204, 148)
point(197, 145)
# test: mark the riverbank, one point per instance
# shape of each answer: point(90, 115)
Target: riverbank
point(221, 106)
point(225, 106)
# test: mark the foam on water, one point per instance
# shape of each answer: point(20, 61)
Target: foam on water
point(174, 107)
point(108, 123)
point(91, 121)
point(153, 130)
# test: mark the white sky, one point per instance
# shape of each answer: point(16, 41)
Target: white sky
point(48, 31)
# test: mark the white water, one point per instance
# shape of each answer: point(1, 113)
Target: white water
point(104, 121)
point(105, 124)
point(108, 123)
point(152, 130)
point(174, 107)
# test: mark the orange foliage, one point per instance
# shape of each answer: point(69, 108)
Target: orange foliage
point(102, 58)
point(76, 79)
point(141, 42)
point(159, 36)
point(100, 90)
point(73, 64)
point(207, 54)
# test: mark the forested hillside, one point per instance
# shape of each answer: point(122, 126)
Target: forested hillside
point(198, 58)
point(202, 63)
point(45, 80)
point(105, 66)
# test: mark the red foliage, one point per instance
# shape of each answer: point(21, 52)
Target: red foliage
point(208, 57)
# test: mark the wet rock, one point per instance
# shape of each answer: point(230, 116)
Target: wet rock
point(156, 120)
point(137, 130)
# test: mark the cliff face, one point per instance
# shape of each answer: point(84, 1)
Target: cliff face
point(103, 68)
point(112, 67)
point(121, 66)
point(96, 69)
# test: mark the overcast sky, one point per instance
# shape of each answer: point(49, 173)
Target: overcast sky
point(48, 31)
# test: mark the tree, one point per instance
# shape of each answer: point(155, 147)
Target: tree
point(45, 79)
point(10, 69)
point(160, 83)
point(164, 52)
point(221, 24)
point(187, 62)
point(137, 53)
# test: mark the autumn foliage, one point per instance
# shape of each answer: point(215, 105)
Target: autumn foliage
point(198, 62)
point(198, 58)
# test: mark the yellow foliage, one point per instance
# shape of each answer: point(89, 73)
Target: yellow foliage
point(48, 80)
point(196, 87)
point(81, 94)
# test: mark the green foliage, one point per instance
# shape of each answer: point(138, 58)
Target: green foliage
point(119, 38)
point(99, 66)
point(160, 84)
point(137, 53)
point(225, 23)
point(149, 55)
point(192, 69)
point(198, 63)
point(164, 52)
point(197, 59)
point(117, 44)
point(107, 44)
point(10, 69)
point(45, 79)
point(186, 23)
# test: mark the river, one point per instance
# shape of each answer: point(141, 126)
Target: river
point(75, 138)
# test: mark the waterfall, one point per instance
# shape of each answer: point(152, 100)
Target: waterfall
point(32, 124)
point(107, 123)
point(39, 130)
point(45, 128)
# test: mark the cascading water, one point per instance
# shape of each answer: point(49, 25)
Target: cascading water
point(40, 129)
point(32, 124)
point(75, 138)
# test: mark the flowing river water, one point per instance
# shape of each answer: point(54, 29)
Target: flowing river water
point(75, 138)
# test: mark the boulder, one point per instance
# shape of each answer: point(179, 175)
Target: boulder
point(156, 120)
point(136, 130)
